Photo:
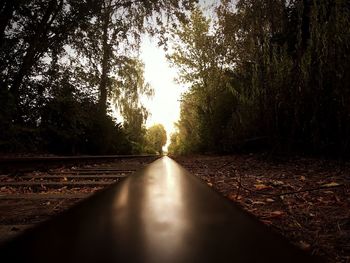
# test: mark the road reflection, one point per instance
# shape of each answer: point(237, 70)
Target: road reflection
point(150, 208)
point(163, 213)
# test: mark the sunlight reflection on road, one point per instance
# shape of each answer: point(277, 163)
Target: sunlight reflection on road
point(164, 215)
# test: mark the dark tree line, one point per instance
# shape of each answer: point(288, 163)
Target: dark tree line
point(267, 74)
point(64, 63)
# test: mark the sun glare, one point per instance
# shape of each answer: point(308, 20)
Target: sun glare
point(164, 107)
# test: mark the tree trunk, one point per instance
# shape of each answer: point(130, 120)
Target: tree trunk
point(105, 69)
point(36, 44)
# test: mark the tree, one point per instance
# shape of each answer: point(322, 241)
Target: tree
point(37, 29)
point(277, 80)
point(156, 138)
point(76, 55)
point(114, 34)
point(200, 58)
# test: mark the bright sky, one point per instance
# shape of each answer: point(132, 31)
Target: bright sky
point(164, 107)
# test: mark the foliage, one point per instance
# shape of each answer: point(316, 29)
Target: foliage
point(155, 139)
point(72, 124)
point(276, 80)
point(63, 63)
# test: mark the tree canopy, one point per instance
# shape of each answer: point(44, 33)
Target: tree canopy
point(265, 81)
point(258, 81)
point(156, 138)
point(64, 66)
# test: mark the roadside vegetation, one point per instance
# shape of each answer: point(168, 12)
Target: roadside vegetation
point(265, 75)
point(66, 64)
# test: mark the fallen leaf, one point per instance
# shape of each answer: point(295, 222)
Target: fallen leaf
point(276, 214)
point(328, 192)
point(267, 222)
point(302, 178)
point(330, 184)
point(337, 199)
point(304, 245)
point(270, 200)
point(234, 197)
point(210, 184)
point(277, 183)
point(261, 186)
point(258, 203)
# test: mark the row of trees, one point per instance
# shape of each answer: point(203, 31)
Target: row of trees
point(268, 74)
point(155, 139)
point(65, 63)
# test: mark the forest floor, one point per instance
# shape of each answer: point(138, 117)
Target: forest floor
point(306, 200)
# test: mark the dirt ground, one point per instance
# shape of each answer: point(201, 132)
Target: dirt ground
point(306, 200)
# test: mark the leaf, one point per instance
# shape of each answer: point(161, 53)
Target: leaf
point(337, 199)
point(328, 192)
point(261, 186)
point(258, 203)
point(302, 178)
point(270, 200)
point(276, 214)
point(210, 184)
point(304, 245)
point(332, 184)
point(277, 183)
point(266, 222)
point(234, 197)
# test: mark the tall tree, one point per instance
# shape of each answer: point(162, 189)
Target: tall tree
point(199, 55)
point(88, 47)
point(280, 78)
point(34, 29)
point(156, 138)
point(115, 33)
point(129, 85)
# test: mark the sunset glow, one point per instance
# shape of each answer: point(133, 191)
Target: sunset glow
point(164, 107)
